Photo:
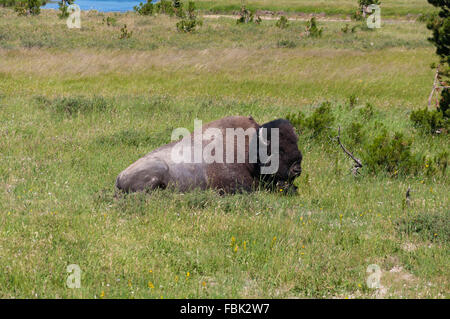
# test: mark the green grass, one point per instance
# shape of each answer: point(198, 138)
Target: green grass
point(390, 8)
point(60, 160)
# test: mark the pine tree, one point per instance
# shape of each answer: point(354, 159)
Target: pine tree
point(440, 26)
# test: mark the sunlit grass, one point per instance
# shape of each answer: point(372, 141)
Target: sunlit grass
point(57, 170)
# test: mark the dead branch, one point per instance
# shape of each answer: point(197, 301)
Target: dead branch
point(408, 195)
point(358, 163)
point(433, 89)
point(437, 85)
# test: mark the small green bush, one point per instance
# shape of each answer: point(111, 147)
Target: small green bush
point(345, 28)
point(63, 6)
point(164, 7)
point(432, 122)
point(245, 16)
point(144, 9)
point(391, 154)
point(312, 30)
point(110, 21)
point(28, 7)
point(8, 3)
point(319, 122)
point(189, 22)
point(356, 133)
point(352, 100)
point(124, 33)
point(178, 8)
point(282, 23)
point(367, 111)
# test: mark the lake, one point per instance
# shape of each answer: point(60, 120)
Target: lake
point(102, 5)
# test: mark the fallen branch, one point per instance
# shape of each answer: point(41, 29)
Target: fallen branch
point(358, 163)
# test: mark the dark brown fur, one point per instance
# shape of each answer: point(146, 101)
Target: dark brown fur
point(157, 170)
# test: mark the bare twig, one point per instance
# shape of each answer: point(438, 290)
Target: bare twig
point(358, 163)
point(433, 89)
point(408, 195)
point(437, 85)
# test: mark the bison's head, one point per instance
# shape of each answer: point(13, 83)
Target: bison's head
point(290, 157)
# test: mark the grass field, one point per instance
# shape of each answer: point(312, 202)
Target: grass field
point(330, 7)
point(57, 169)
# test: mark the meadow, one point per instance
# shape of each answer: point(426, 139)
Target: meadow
point(78, 106)
point(397, 8)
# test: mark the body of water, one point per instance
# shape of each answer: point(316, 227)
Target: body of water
point(103, 5)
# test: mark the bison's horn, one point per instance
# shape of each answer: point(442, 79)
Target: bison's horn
point(261, 138)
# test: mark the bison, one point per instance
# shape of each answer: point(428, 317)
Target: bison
point(242, 159)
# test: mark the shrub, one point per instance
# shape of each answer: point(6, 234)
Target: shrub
point(178, 8)
point(28, 7)
point(352, 100)
point(110, 21)
point(367, 111)
point(190, 22)
point(63, 5)
point(311, 29)
point(164, 7)
point(440, 26)
point(317, 123)
point(8, 3)
point(356, 134)
point(144, 9)
point(245, 16)
point(321, 120)
point(432, 122)
point(124, 33)
point(345, 28)
point(360, 13)
point(391, 154)
point(426, 17)
point(297, 120)
point(282, 23)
